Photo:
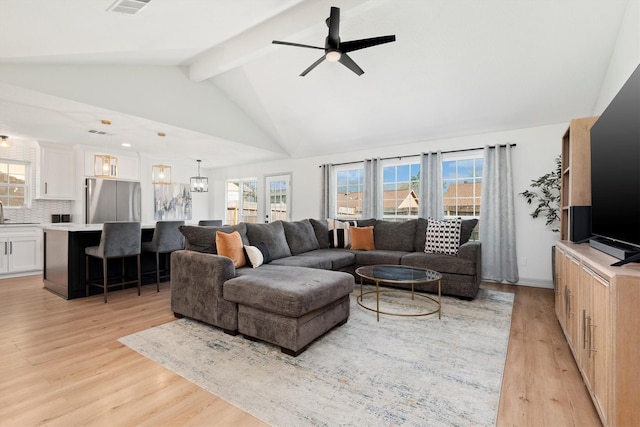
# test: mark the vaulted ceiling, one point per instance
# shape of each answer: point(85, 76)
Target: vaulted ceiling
point(205, 73)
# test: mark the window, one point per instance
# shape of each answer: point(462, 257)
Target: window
point(242, 201)
point(462, 179)
point(278, 198)
point(14, 184)
point(349, 189)
point(401, 188)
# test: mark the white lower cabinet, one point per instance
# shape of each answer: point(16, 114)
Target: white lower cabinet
point(20, 250)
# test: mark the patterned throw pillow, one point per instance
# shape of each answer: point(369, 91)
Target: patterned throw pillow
point(339, 236)
point(257, 255)
point(443, 237)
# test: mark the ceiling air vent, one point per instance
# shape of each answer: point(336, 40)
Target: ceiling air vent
point(130, 7)
point(98, 132)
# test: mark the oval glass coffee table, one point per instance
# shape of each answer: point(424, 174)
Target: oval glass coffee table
point(398, 274)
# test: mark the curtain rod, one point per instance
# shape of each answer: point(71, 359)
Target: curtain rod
point(416, 155)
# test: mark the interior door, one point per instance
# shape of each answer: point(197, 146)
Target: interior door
point(278, 198)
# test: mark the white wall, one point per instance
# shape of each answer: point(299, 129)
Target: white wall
point(533, 156)
point(624, 59)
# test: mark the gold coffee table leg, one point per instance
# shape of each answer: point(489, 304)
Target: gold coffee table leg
point(439, 301)
point(378, 300)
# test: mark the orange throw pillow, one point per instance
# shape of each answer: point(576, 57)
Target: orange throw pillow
point(231, 246)
point(362, 238)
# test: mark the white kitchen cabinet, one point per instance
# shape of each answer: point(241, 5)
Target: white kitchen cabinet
point(20, 250)
point(55, 170)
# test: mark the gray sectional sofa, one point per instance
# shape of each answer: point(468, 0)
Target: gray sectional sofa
point(303, 292)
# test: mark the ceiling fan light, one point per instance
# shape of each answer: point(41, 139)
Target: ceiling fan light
point(5, 142)
point(333, 56)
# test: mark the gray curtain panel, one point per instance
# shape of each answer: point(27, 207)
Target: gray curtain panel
point(325, 202)
point(431, 188)
point(371, 206)
point(497, 224)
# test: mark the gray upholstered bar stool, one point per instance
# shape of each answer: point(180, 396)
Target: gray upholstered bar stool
point(210, 222)
point(166, 239)
point(117, 240)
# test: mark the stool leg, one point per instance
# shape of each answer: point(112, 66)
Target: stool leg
point(139, 274)
point(123, 277)
point(158, 271)
point(104, 278)
point(86, 274)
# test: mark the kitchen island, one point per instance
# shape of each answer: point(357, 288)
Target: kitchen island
point(64, 258)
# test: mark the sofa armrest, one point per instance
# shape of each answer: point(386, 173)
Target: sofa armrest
point(196, 288)
point(471, 251)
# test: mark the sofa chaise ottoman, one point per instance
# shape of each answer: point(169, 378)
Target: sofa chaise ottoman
point(289, 307)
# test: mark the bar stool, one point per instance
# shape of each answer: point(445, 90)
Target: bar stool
point(210, 222)
point(117, 240)
point(166, 239)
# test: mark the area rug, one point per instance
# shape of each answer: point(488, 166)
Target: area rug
point(400, 371)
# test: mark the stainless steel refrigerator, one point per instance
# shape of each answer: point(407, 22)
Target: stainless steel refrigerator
point(112, 200)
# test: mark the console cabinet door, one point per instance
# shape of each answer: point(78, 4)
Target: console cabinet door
point(572, 286)
point(595, 349)
point(600, 347)
point(560, 286)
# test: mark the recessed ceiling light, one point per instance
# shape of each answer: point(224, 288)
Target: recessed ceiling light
point(105, 122)
point(126, 144)
point(162, 134)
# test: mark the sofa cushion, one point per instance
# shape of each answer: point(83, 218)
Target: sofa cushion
point(421, 234)
point(466, 229)
point(203, 239)
point(441, 263)
point(272, 234)
point(230, 245)
point(300, 236)
point(395, 236)
point(443, 237)
point(340, 258)
point(321, 230)
point(379, 257)
point(304, 261)
point(289, 291)
point(362, 238)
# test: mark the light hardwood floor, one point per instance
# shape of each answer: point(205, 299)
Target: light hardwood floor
point(61, 364)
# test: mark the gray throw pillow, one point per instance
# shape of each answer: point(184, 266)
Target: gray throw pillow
point(272, 234)
point(300, 236)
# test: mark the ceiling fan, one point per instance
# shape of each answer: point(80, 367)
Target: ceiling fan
point(335, 50)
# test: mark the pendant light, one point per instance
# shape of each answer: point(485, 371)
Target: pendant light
point(105, 166)
point(199, 184)
point(161, 174)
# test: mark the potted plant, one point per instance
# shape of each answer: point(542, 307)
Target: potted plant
point(545, 192)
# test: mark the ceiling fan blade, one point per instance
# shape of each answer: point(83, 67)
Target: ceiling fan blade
point(312, 66)
point(333, 22)
point(350, 64)
point(350, 46)
point(296, 44)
